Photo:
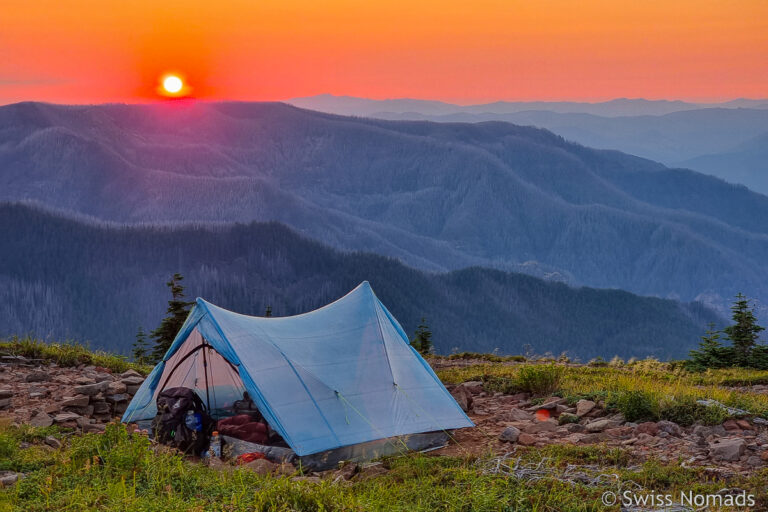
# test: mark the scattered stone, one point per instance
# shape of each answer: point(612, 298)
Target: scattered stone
point(116, 388)
point(474, 386)
point(649, 427)
point(101, 408)
point(669, 427)
point(5, 393)
point(261, 466)
point(133, 380)
point(5, 403)
point(114, 399)
point(463, 397)
point(52, 442)
point(91, 389)
point(584, 407)
point(540, 426)
point(91, 427)
point(130, 373)
point(731, 425)
point(348, 470)
point(41, 420)
point(516, 414)
point(76, 401)
point(727, 449)
point(600, 425)
point(744, 424)
point(65, 417)
point(526, 439)
point(37, 376)
point(510, 434)
point(9, 478)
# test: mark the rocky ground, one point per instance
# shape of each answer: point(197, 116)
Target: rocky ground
point(83, 397)
point(87, 397)
point(506, 421)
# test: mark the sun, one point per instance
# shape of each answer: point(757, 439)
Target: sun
point(173, 84)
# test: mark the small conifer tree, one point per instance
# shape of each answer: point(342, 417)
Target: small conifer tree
point(422, 340)
point(711, 353)
point(744, 333)
point(176, 314)
point(141, 348)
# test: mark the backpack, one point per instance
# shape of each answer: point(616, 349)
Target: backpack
point(169, 425)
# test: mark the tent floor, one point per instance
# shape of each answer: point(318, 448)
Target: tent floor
point(331, 458)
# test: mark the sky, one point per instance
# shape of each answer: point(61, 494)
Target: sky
point(89, 51)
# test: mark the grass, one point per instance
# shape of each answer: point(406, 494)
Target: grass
point(69, 354)
point(121, 471)
point(667, 388)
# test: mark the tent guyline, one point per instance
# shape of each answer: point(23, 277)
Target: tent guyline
point(305, 372)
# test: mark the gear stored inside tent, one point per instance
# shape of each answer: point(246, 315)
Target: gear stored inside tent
point(341, 375)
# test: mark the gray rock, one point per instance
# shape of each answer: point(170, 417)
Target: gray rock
point(584, 407)
point(41, 420)
point(474, 386)
point(130, 373)
point(53, 442)
point(100, 408)
point(5, 403)
point(5, 393)
point(91, 389)
point(76, 401)
point(515, 414)
point(116, 388)
point(38, 376)
point(727, 449)
point(702, 430)
point(600, 425)
point(669, 427)
point(540, 426)
point(510, 435)
point(462, 396)
point(114, 399)
point(576, 428)
point(65, 417)
point(132, 380)
point(9, 478)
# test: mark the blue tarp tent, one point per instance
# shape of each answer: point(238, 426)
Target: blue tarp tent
point(340, 375)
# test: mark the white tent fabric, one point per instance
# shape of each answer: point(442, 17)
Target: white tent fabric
point(340, 375)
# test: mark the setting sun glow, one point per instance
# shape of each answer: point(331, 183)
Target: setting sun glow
point(172, 84)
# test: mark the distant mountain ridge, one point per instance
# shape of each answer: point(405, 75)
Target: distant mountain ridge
point(84, 280)
point(350, 105)
point(437, 196)
point(717, 138)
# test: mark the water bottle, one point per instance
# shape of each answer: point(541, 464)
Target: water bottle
point(193, 421)
point(215, 449)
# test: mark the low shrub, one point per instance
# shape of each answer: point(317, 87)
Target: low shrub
point(685, 411)
point(539, 380)
point(635, 405)
point(69, 354)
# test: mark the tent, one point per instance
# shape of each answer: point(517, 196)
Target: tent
point(341, 375)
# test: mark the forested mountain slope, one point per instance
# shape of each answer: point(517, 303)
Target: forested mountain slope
point(437, 196)
point(92, 281)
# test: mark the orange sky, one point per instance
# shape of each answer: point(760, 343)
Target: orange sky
point(89, 51)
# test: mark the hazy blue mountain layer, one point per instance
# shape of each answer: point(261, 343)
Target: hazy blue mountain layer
point(727, 140)
point(439, 196)
point(93, 281)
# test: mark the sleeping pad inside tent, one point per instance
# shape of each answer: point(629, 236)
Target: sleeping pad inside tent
point(340, 382)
